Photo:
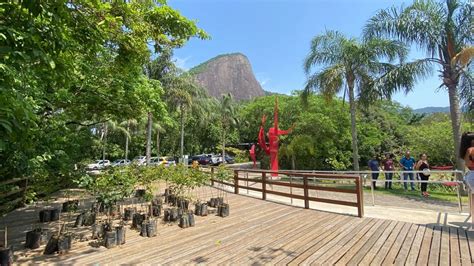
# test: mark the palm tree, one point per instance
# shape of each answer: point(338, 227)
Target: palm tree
point(158, 129)
point(179, 94)
point(108, 126)
point(228, 119)
point(348, 65)
point(442, 30)
point(127, 124)
point(149, 126)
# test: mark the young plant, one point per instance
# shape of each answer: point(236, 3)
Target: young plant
point(223, 174)
point(110, 187)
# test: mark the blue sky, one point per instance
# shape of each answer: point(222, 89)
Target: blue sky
point(275, 36)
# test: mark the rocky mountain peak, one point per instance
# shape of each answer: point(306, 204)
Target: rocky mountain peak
point(228, 73)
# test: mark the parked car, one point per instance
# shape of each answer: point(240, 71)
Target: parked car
point(228, 160)
point(99, 164)
point(191, 159)
point(170, 161)
point(208, 159)
point(157, 160)
point(120, 162)
point(140, 160)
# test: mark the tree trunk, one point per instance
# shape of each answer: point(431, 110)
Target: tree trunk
point(106, 129)
point(455, 123)
point(355, 146)
point(126, 140)
point(223, 145)
point(293, 162)
point(181, 153)
point(148, 138)
point(158, 143)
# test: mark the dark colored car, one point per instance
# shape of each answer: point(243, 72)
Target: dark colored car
point(229, 159)
point(205, 159)
point(202, 159)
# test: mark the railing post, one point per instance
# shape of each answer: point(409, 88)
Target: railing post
point(458, 190)
point(264, 185)
point(372, 189)
point(360, 197)
point(236, 181)
point(305, 191)
point(25, 191)
point(212, 176)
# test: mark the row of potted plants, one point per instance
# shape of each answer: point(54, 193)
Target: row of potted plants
point(114, 186)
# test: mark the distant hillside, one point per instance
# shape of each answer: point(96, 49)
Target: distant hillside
point(270, 93)
point(431, 110)
point(228, 73)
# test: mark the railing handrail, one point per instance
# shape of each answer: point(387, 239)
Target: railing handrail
point(370, 171)
point(23, 186)
point(305, 186)
point(299, 173)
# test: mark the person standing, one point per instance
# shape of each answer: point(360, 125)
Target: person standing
point(388, 166)
point(375, 168)
point(423, 165)
point(407, 163)
point(466, 152)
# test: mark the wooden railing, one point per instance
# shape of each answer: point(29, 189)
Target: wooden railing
point(14, 195)
point(266, 182)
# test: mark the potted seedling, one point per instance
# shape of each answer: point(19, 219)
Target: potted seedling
point(198, 179)
point(109, 188)
point(6, 253)
point(36, 237)
point(149, 228)
point(222, 174)
point(60, 242)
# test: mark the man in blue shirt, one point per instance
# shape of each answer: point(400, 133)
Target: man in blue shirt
point(407, 163)
point(375, 168)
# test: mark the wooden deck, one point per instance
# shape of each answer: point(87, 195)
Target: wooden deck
point(263, 232)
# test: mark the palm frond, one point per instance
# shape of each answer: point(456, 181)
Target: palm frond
point(328, 82)
point(401, 77)
point(383, 48)
point(421, 23)
point(463, 57)
point(325, 49)
point(466, 90)
point(463, 24)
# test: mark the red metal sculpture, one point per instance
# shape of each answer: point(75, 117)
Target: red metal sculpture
point(273, 138)
point(253, 156)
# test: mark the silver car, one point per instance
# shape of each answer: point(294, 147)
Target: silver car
point(120, 162)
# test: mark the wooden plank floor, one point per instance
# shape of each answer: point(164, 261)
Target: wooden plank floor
point(262, 232)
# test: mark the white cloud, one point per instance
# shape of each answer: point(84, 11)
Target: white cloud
point(181, 62)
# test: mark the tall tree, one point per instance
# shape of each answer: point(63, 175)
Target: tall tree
point(106, 128)
point(127, 124)
point(179, 95)
point(348, 65)
point(158, 128)
point(149, 126)
point(442, 29)
point(68, 65)
point(228, 119)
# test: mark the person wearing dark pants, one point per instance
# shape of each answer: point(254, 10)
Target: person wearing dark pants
point(407, 163)
point(422, 165)
point(374, 167)
point(388, 166)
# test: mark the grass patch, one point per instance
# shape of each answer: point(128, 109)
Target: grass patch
point(434, 194)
